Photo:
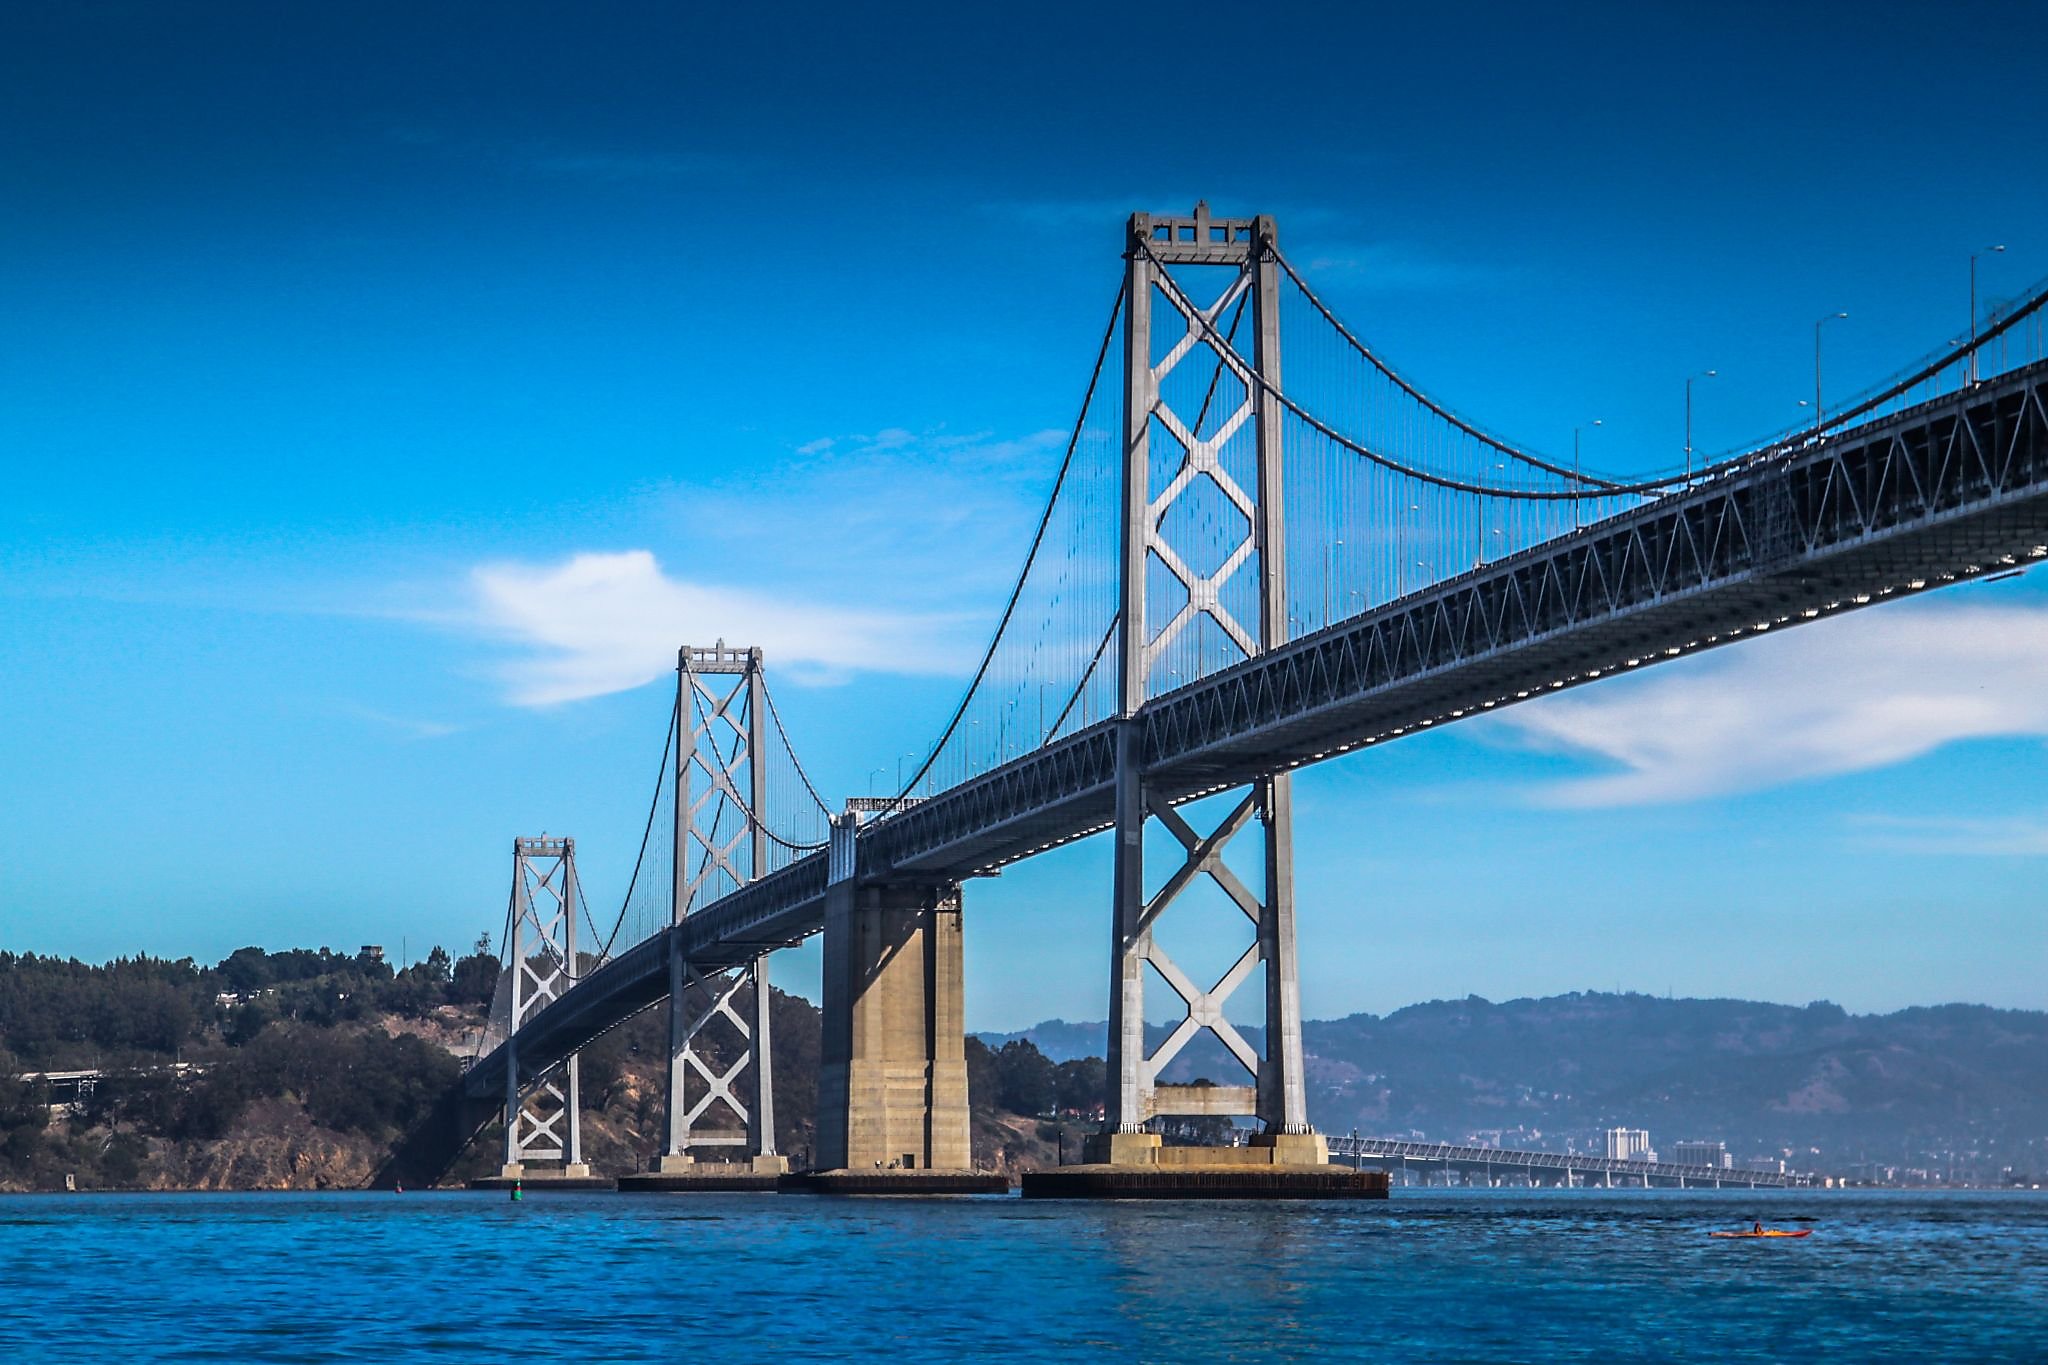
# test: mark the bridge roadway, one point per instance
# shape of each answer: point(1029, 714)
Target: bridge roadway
point(1953, 489)
point(1386, 1151)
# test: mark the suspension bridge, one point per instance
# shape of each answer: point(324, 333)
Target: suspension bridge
point(1240, 570)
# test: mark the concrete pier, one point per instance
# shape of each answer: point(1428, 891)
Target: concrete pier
point(543, 1178)
point(682, 1175)
point(1269, 1166)
point(897, 1182)
point(1191, 1181)
point(892, 1084)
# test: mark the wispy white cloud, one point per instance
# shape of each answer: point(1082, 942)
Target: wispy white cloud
point(931, 521)
point(599, 623)
point(888, 551)
point(406, 725)
point(1862, 691)
point(2015, 836)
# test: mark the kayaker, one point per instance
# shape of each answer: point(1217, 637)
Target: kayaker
point(1757, 1228)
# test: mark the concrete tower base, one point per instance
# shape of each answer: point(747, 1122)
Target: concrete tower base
point(1270, 1166)
point(892, 1084)
point(679, 1174)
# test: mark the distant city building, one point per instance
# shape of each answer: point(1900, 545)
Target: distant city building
point(373, 951)
point(1713, 1154)
point(1629, 1144)
point(1775, 1165)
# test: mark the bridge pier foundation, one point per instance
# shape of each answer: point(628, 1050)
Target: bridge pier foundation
point(892, 1078)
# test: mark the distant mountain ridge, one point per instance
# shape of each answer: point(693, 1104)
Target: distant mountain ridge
point(1963, 1086)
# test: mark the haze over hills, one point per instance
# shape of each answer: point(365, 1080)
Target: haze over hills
point(1960, 1088)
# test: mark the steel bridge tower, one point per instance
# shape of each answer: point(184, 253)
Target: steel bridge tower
point(543, 1121)
point(1246, 248)
point(722, 726)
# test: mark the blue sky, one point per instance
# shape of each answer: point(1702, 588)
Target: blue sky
point(385, 390)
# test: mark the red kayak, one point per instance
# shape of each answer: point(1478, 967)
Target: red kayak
point(1767, 1232)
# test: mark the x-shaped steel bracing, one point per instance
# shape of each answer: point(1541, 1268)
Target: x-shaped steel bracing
point(1201, 458)
point(718, 1086)
point(721, 767)
point(1204, 1008)
point(542, 948)
point(538, 1123)
point(726, 720)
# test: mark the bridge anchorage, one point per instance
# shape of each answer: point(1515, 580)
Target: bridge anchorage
point(1238, 573)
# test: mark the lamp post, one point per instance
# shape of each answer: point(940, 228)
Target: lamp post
point(1973, 306)
point(1577, 486)
point(1816, 368)
point(1329, 552)
point(1703, 374)
point(1401, 553)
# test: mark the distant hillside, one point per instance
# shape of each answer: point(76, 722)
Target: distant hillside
point(268, 1070)
point(1953, 1085)
point(301, 1070)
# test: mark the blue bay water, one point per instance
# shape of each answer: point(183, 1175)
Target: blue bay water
point(1427, 1275)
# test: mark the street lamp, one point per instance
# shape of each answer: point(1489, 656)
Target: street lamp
point(1973, 306)
point(1703, 374)
point(1816, 368)
point(1401, 552)
point(1328, 566)
point(1577, 486)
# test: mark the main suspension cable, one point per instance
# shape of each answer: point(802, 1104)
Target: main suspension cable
point(1606, 487)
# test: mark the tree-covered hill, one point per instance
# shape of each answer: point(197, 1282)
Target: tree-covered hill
point(290, 1068)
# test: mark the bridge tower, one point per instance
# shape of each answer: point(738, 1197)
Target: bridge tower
point(1168, 455)
point(721, 844)
point(542, 1120)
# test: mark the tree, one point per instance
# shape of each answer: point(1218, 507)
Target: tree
point(246, 1021)
point(24, 1113)
point(984, 1078)
point(1025, 1078)
point(475, 979)
point(245, 971)
point(439, 968)
point(1082, 1083)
